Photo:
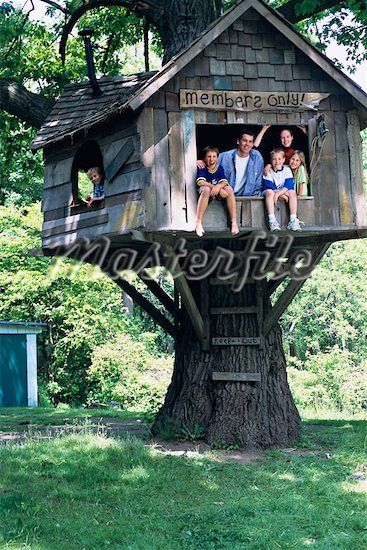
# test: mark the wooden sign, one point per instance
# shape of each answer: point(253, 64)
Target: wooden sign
point(225, 341)
point(237, 376)
point(227, 100)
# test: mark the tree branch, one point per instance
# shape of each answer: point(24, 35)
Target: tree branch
point(16, 100)
point(150, 9)
point(291, 10)
point(66, 11)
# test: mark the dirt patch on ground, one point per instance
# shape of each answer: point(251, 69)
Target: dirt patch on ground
point(111, 427)
point(191, 449)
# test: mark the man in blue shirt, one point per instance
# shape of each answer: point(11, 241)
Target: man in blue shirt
point(244, 166)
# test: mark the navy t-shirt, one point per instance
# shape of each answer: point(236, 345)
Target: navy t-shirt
point(210, 176)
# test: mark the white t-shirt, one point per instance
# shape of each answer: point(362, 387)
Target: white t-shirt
point(241, 167)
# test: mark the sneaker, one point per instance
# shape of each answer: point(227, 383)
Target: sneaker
point(274, 225)
point(294, 225)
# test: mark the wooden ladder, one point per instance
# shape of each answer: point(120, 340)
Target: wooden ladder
point(208, 340)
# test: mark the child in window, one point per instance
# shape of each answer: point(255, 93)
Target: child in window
point(297, 162)
point(278, 183)
point(95, 175)
point(213, 183)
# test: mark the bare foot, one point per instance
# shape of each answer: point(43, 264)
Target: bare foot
point(199, 229)
point(234, 228)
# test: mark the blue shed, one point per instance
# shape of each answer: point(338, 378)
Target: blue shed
point(18, 363)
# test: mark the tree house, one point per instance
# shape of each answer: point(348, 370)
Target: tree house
point(249, 68)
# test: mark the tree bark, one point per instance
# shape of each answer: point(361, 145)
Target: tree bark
point(182, 21)
point(16, 100)
point(252, 415)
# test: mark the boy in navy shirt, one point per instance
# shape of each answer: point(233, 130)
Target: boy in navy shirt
point(279, 183)
point(212, 183)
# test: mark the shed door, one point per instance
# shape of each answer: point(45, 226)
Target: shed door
point(13, 370)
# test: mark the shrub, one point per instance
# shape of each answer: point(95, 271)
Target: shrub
point(123, 370)
point(332, 380)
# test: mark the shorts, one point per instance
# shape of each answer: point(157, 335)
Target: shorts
point(217, 197)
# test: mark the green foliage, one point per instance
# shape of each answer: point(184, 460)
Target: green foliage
point(83, 315)
point(123, 370)
point(21, 175)
point(329, 380)
point(346, 24)
point(325, 328)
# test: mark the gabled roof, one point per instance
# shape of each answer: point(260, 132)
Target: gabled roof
point(281, 24)
point(77, 109)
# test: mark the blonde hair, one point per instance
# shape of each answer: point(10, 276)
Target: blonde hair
point(301, 156)
point(277, 151)
point(94, 169)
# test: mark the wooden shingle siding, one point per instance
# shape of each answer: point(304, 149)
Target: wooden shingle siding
point(223, 82)
point(244, 39)
point(157, 101)
point(289, 57)
point(224, 52)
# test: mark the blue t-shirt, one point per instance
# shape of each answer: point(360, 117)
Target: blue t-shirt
point(212, 176)
point(98, 191)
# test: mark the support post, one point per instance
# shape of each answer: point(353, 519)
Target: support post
point(190, 305)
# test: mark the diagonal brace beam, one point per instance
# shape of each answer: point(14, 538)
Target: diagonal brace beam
point(158, 291)
point(154, 313)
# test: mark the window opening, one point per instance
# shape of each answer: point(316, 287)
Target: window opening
point(224, 136)
point(89, 155)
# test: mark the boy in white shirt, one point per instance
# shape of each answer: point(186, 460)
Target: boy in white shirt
point(279, 183)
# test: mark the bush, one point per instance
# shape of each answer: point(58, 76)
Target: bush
point(123, 370)
point(333, 380)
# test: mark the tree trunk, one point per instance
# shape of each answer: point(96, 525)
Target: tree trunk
point(251, 415)
point(182, 21)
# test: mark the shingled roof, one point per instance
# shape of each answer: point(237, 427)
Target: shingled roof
point(77, 109)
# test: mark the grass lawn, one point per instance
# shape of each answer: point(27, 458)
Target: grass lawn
point(93, 492)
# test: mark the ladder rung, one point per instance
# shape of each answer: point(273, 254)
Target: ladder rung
point(232, 310)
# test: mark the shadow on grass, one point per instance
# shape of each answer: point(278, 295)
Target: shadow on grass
point(94, 492)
